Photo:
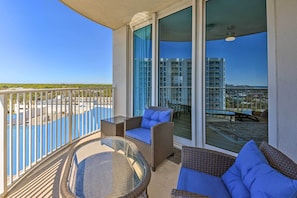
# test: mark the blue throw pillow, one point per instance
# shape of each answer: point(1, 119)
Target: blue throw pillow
point(248, 157)
point(164, 116)
point(259, 177)
point(152, 117)
point(264, 181)
point(233, 182)
point(146, 118)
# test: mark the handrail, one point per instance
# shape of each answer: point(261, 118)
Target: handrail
point(237, 98)
point(35, 123)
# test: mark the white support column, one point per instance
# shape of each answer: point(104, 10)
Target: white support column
point(155, 60)
point(198, 54)
point(3, 145)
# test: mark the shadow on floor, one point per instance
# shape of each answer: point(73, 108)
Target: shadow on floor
point(176, 157)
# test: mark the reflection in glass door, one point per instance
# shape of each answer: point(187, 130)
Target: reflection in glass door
point(142, 69)
point(175, 68)
point(236, 85)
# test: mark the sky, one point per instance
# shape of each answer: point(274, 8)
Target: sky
point(245, 59)
point(44, 41)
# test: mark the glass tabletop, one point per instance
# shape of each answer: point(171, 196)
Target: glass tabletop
point(116, 120)
point(107, 167)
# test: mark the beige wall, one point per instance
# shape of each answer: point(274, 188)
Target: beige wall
point(121, 70)
point(286, 76)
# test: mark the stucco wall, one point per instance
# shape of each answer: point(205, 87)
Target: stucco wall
point(286, 75)
point(121, 70)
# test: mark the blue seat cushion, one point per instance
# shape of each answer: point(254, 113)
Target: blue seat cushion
point(202, 183)
point(141, 134)
point(152, 117)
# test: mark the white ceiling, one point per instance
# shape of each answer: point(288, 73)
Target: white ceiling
point(245, 16)
point(116, 13)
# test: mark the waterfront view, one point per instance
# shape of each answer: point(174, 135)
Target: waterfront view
point(40, 121)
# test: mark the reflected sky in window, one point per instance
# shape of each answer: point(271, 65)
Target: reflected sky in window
point(246, 59)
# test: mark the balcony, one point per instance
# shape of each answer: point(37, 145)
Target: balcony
point(273, 17)
point(40, 126)
point(39, 159)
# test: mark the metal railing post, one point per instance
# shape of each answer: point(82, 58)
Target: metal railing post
point(113, 100)
point(3, 145)
point(70, 116)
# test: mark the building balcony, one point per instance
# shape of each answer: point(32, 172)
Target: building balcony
point(40, 126)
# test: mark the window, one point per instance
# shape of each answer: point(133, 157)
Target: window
point(142, 69)
point(236, 89)
point(175, 51)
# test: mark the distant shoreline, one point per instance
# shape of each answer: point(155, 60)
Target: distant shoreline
point(4, 86)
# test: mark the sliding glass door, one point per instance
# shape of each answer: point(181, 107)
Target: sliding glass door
point(142, 69)
point(236, 85)
point(175, 69)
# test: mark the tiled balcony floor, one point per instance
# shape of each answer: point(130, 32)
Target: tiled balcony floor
point(44, 180)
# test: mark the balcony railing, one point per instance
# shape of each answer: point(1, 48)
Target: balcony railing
point(36, 123)
point(237, 99)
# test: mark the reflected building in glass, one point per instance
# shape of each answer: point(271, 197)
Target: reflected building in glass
point(215, 83)
point(175, 76)
point(143, 80)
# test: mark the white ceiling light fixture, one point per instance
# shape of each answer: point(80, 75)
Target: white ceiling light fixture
point(231, 34)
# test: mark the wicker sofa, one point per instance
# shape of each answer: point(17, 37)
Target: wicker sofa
point(217, 165)
point(152, 135)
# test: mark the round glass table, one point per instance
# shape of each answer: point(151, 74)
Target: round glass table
point(105, 167)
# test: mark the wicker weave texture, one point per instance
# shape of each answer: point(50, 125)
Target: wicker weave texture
point(161, 139)
point(207, 161)
point(145, 149)
point(217, 163)
point(279, 160)
point(185, 194)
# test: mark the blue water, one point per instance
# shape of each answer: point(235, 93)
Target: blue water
point(56, 137)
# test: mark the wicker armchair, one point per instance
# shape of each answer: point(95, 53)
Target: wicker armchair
point(216, 164)
point(161, 136)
